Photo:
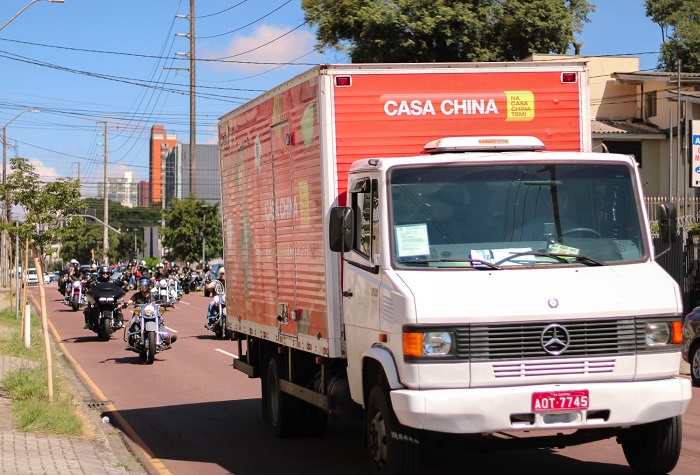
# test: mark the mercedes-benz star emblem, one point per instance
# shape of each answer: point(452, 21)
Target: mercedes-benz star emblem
point(554, 339)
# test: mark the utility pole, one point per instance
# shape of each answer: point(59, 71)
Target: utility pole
point(105, 235)
point(193, 115)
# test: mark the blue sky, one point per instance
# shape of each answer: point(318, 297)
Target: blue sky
point(84, 62)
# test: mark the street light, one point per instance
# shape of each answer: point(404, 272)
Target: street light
point(6, 209)
point(27, 6)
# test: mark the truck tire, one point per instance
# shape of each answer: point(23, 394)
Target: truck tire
point(694, 358)
point(392, 450)
point(653, 448)
point(283, 409)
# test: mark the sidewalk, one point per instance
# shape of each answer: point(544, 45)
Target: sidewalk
point(102, 451)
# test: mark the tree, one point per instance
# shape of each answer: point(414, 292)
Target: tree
point(47, 209)
point(679, 21)
point(190, 222)
point(446, 30)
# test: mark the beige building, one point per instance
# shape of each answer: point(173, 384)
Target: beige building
point(633, 111)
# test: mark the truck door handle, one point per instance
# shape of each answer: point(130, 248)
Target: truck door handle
point(347, 293)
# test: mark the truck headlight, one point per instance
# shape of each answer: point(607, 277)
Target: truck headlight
point(428, 344)
point(663, 333)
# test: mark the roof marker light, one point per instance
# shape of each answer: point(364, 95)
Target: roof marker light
point(569, 78)
point(343, 81)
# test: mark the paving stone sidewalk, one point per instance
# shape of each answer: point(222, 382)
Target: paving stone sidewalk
point(22, 453)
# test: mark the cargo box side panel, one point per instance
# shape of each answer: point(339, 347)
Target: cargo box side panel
point(397, 114)
point(272, 212)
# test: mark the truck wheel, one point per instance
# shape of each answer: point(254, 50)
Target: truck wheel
point(282, 408)
point(653, 448)
point(391, 450)
point(694, 358)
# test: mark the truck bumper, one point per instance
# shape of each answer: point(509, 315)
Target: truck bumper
point(486, 410)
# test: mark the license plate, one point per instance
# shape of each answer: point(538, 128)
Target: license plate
point(556, 401)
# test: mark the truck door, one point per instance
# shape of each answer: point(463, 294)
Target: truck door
point(285, 211)
point(361, 277)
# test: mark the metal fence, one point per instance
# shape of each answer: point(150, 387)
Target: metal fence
point(681, 261)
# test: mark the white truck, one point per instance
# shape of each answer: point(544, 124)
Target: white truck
point(401, 248)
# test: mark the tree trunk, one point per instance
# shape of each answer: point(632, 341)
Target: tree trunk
point(25, 264)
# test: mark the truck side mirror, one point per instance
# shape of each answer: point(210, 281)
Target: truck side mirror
point(668, 225)
point(341, 229)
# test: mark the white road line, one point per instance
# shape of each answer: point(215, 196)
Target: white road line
point(170, 329)
point(226, 353)
point(183, 303)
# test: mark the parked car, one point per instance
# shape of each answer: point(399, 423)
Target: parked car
point(54, 276)
point(32, 277)
point(691, 344)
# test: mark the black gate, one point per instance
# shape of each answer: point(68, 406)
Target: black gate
point(681, 263)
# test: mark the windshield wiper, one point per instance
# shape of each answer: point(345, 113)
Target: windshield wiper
point(476, 263)
point(562, 257)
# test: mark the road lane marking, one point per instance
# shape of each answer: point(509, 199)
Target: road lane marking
point(226, 353)
point(170, 329)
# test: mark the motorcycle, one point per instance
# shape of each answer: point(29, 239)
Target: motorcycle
point(163, 293)
point(190, 282)
point(104, 312)
point(75, 296)
point(145, 335)
point(216, 321)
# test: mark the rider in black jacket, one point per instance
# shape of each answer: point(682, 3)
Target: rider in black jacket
point(103, 284)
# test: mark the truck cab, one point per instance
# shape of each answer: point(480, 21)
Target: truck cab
point(490, 286)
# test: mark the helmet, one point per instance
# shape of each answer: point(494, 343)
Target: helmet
point(145, 284)
point(143, 263)
point(160, 265)
point(103, 274)
point(74, 261)
point(217, 299)
point(221, 271)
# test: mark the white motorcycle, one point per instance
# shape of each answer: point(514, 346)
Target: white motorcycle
point(146, 335)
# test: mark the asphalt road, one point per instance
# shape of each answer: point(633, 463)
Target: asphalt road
point(191, 412)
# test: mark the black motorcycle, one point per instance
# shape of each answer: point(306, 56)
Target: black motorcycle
point(105, 311)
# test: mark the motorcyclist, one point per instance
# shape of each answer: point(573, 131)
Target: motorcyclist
point(221, 277)
point(103, 284)
point(74, 273)
point(144, 296)
point(161, 272)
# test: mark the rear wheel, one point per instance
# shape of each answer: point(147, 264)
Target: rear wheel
point(694, 358)
point(283, 409)
point(106, 329)
point(653, 448)
point(391, 450)
point(150, 347)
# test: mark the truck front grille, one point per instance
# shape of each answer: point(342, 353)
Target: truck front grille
point(519, 341)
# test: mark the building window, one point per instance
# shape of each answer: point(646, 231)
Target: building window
point(626, 148)
point(649, 104)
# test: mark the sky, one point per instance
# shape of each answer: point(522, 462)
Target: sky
point(84, 63)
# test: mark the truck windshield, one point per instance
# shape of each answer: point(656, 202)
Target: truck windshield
point(515, 215)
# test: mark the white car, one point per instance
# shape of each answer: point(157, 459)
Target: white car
point(32, 277)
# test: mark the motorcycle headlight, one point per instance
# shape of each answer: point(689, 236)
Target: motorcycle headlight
point(426, 345)
point(149, 310)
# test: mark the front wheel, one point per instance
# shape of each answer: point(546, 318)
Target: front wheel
point(391, 451)
point(75, 303)
point(653, 448)
point(106, 327)
point(694, 358)
point(151, 347)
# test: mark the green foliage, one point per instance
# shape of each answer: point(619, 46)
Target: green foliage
point(679, 21)
point(188, 222)
point(47, 207)
point(446, 30)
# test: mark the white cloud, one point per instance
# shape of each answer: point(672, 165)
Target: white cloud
point(281, 45)
point(46, 174)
